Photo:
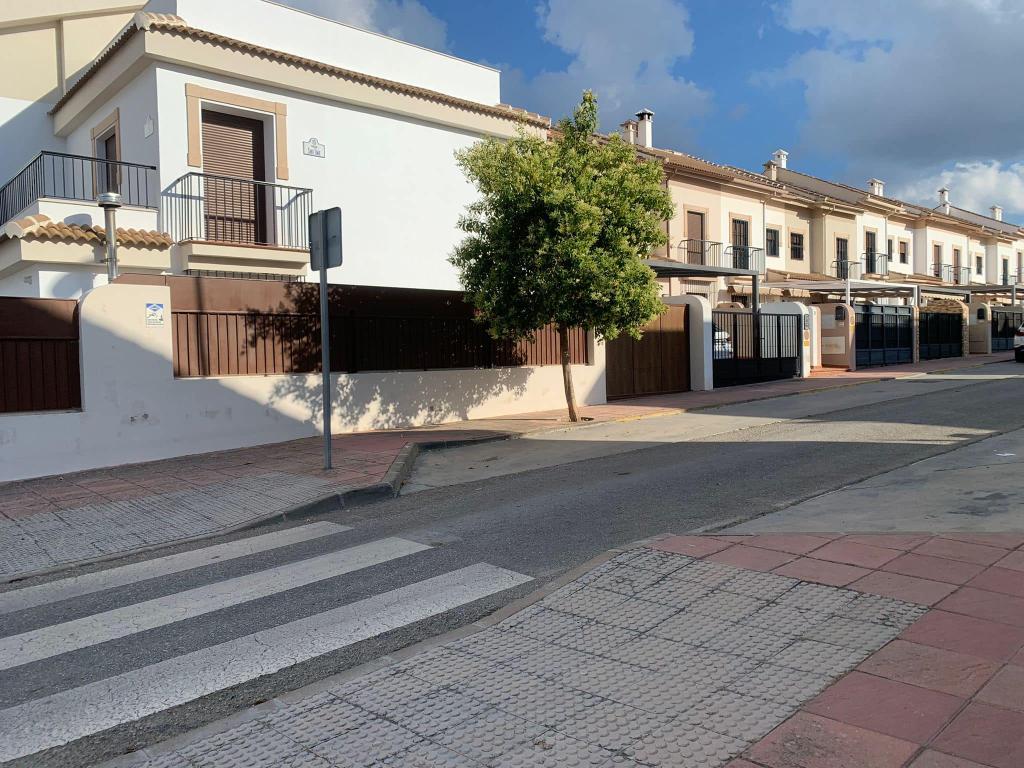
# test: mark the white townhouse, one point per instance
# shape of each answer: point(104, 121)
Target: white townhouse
point(222, 125)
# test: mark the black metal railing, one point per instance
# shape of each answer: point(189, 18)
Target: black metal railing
point(709, 253)
point(847, 269)
point(961, 275)
point(875, 263)
point(943, 271)
point(224, 209)
point(1009, 278)
point(75, 177)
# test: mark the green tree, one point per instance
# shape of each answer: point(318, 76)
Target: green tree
point(558, 234)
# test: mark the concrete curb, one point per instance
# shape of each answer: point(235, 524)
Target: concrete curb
point(405, 460)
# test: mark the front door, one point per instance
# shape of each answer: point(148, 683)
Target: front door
point(233, 158)
point(694, 237)
point(741, 243)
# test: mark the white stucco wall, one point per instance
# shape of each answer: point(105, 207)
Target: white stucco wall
point(135, 410)
point(395, 179)
point(25, 130)
point(287, 29)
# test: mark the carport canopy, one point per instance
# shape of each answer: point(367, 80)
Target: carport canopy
point(861, 288)
point(669, 268)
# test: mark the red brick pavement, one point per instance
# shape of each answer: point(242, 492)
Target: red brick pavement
point(947, 693)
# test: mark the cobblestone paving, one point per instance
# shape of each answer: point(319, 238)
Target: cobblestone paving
point(62, 537)
point(651, 659)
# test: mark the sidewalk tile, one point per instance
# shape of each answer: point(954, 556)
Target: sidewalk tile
point(822, 571)
point(809, 741)
point(904, 541)
point(996, 579)
point(958, 674)
point(934, 568)
point(740, 763)
point(794, 543)
point(966, 634)
point(852, 553)
point(983, 604)
point(908, 588)
point(932, 759)
point(987, 735)
point(961, 550)
point(1001, 540)
point(1005, 689)
point(886, 706)
point(1013, 561)
point(694, 546)
point(751, 558)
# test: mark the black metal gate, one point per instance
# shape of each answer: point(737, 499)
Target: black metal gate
point(746, 352)
point(884, 335)
point(940, 334)
point(1005, 323)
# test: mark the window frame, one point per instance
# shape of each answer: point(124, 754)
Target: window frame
point(796, 251)
point(904, 252)
point(768, 241)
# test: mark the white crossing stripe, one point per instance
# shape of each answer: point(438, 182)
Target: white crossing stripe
point(76, 586)
point(73, 714)
point(120, 622)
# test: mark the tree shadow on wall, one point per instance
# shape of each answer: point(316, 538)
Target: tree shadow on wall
point(400, 357)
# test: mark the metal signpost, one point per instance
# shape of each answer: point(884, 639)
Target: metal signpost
point(324, 253)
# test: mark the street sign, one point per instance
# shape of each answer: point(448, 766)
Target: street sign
point(325, 252)
point(325, 239)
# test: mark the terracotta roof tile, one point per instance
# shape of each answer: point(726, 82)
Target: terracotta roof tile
point(41, 227)
point(174, 25)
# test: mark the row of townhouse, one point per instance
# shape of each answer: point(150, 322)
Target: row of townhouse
point(221, 126)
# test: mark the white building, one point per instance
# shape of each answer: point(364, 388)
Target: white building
point(185, 92)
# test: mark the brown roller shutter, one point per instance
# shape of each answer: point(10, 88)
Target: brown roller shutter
point(235, 209)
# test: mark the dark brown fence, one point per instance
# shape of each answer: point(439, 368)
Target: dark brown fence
point(39, 368)
point(229, 327)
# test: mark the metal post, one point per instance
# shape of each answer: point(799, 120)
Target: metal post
point(755, 313)
point(325, 360)
point(1013, 295)
point(110, 202)
point(849, 298)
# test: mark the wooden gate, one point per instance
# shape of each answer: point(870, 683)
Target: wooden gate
point(656, 364)
point(39, 368)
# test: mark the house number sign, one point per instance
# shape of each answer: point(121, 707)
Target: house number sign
point(314, 148)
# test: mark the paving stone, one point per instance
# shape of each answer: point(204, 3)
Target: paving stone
point(665, 692)
point(650, 652)
point(542, 623)
point(588, 602)
point(428, 755)
point(814, 656)
point(781, 684)
point(674, 592)
point(256, 749)
point(809, 741)
point(443, 667)
point(168, 760)
point(311, 725)
point(551, 662)
point(638, 615)
point(785, 620)
point(727, 606)
point(554, 750)
point(882, 610)
point(490, 735)
point(706, 572)
point(604, 676)
point(733, 714)
point(763, 586)
point(373, 741)
point(597, 638)
point(682, 745)
point(626, 580)
point(691, 628)
point(818, 597)
point(852, 634)
point(611, 725)
point(747, 641)
point(431, 714)
point(655, 560)
point(387, 696)
point(496, 645)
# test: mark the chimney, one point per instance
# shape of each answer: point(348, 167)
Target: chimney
point(645, 128)
point(771, 170)
point(944, 199)
point(877, 187)
point(628, 131)
point(779, 157)
point(997, 212)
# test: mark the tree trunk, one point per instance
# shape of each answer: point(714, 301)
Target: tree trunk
point(570, 396)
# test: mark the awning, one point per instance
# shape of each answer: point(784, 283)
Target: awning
point(669, 268)
point(870, 288)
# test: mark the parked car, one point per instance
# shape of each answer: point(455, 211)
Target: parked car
point(1018, 345)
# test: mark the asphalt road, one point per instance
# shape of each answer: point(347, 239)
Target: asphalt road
point(534, 524)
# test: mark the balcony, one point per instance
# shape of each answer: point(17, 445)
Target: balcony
point(847, 269)
point(962, 275)
point(708, 253)
point(60, 176)
point(875, 263)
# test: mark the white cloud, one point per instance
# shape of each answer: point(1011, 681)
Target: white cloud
point(626, 53)
point(407, 20)
point(976, 186)
point(913, 92)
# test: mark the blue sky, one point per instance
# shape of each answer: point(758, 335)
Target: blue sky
point(919, 93)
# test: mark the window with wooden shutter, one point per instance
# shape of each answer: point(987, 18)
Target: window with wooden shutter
point(233, 157)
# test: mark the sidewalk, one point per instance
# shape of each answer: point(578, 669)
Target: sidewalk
point(55, 522)
point(768, 651)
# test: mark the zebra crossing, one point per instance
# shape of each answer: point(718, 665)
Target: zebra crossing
point(276, 600)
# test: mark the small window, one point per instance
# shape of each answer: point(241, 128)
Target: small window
point(796, 246)
point(981, 313)
point(772, 242)
point(979, 265)
point(904, 255)
point(888, 248)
